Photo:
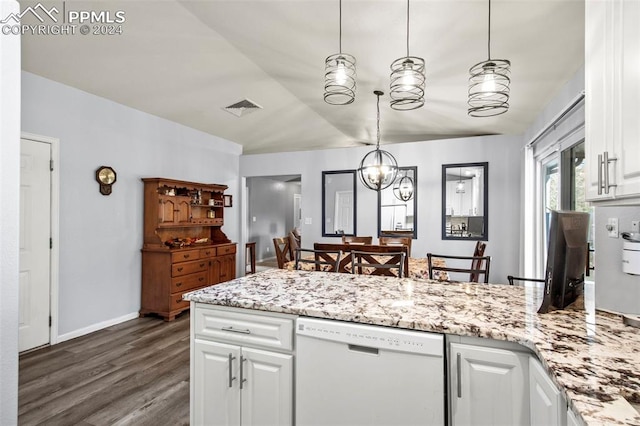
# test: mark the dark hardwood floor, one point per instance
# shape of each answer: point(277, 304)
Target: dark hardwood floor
point(134, 373)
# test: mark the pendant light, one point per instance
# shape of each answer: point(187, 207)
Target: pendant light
point(340, 75)
point(489, 84)
point(460, 185)
point(378, 169)
point(407, 80)
point(403, 188)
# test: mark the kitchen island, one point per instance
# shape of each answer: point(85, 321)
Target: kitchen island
point(591, 356)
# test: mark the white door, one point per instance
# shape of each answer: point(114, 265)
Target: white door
point(488, 386)
point(343, 216)
point(216, 388)
point(297, 211)
point(267, 394)
point(35, 240)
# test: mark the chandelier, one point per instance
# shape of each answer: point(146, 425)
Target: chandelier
point(407, 80)
point(489, 84)
point(403, 188)
point(378, 169)
point(340, 75)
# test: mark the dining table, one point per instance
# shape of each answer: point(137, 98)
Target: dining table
point(418, 267)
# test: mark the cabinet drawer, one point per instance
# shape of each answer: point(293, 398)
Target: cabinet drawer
point(185, 268)
point(207, 252)
point(188, 282)
point(176, 302)
point(244, 329)
point(230, 249)
point(184, 256)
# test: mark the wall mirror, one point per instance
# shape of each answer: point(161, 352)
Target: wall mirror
point(397, 212)
point(338, 203)
point(465, 213)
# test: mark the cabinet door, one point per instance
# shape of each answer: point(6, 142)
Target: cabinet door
point(628, 152)
point(267, 393)
point(600, 89)
point(174, 210)
point(488, 386)
point(215, 396)
point(227, 268)
point(546, 403)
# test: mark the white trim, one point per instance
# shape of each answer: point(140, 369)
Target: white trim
point(96, 327)
point(55, 230)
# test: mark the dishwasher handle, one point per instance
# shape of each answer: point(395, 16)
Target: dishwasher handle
point(363, 349)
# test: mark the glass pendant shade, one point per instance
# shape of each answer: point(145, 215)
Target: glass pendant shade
point(378, 169)
point(340, 75)
point(489, 84)
point(489, 88)
point(403, 188)
point(407, 80)
point(340, 79)
point(407, 83)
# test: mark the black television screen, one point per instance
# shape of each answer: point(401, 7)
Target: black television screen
point(566, 259)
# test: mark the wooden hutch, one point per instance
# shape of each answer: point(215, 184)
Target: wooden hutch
point(184, 247)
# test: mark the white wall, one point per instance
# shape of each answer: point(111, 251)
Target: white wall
point(502, 153)
point(101, 236)
point(9, 193)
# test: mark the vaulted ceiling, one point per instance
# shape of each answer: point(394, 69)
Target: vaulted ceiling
point(187, 60)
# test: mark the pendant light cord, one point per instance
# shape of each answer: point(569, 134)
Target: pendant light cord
point(378, 122)
point(489, 34)
point(407, 28)
point(340, 42)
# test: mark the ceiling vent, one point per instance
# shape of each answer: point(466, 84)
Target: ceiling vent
point(242, 108)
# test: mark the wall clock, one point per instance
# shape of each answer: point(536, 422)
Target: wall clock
point(106, 177)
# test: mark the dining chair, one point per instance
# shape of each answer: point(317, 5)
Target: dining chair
point(294, 243)
point(283, 251)
point(478, 251)
point(350, 239)
point(324, 260)
point(396, 241)
point(375, 263)
point(479, 266)
point(511, 279)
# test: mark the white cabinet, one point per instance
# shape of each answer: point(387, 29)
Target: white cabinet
point(488, 385)
point(612, 92)
point(241, 368)
point(572, 419)
point(547, 406)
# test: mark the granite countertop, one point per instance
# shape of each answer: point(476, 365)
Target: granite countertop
point(591, 355)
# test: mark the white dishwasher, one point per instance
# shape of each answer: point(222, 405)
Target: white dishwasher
point(354, 374)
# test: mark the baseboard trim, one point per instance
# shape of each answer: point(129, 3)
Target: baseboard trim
point(96, 327)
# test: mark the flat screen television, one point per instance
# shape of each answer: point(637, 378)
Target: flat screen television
point(566, 259)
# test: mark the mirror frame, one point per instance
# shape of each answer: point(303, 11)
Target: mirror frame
point(485, 201)
point(324, 201)
point(414, 236)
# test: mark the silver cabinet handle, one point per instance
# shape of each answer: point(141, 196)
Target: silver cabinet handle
point(458, 374)
point(242, 379)
point(606, 162)
point(237, 330)
point(231, 378)
point(600, 165)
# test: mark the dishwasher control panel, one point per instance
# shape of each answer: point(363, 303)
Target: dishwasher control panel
point(379, 337)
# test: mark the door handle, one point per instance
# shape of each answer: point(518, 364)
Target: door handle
point(237, 330)
point(458, 374)
point(231, 378)
point(242, 379)
point(606, 162)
